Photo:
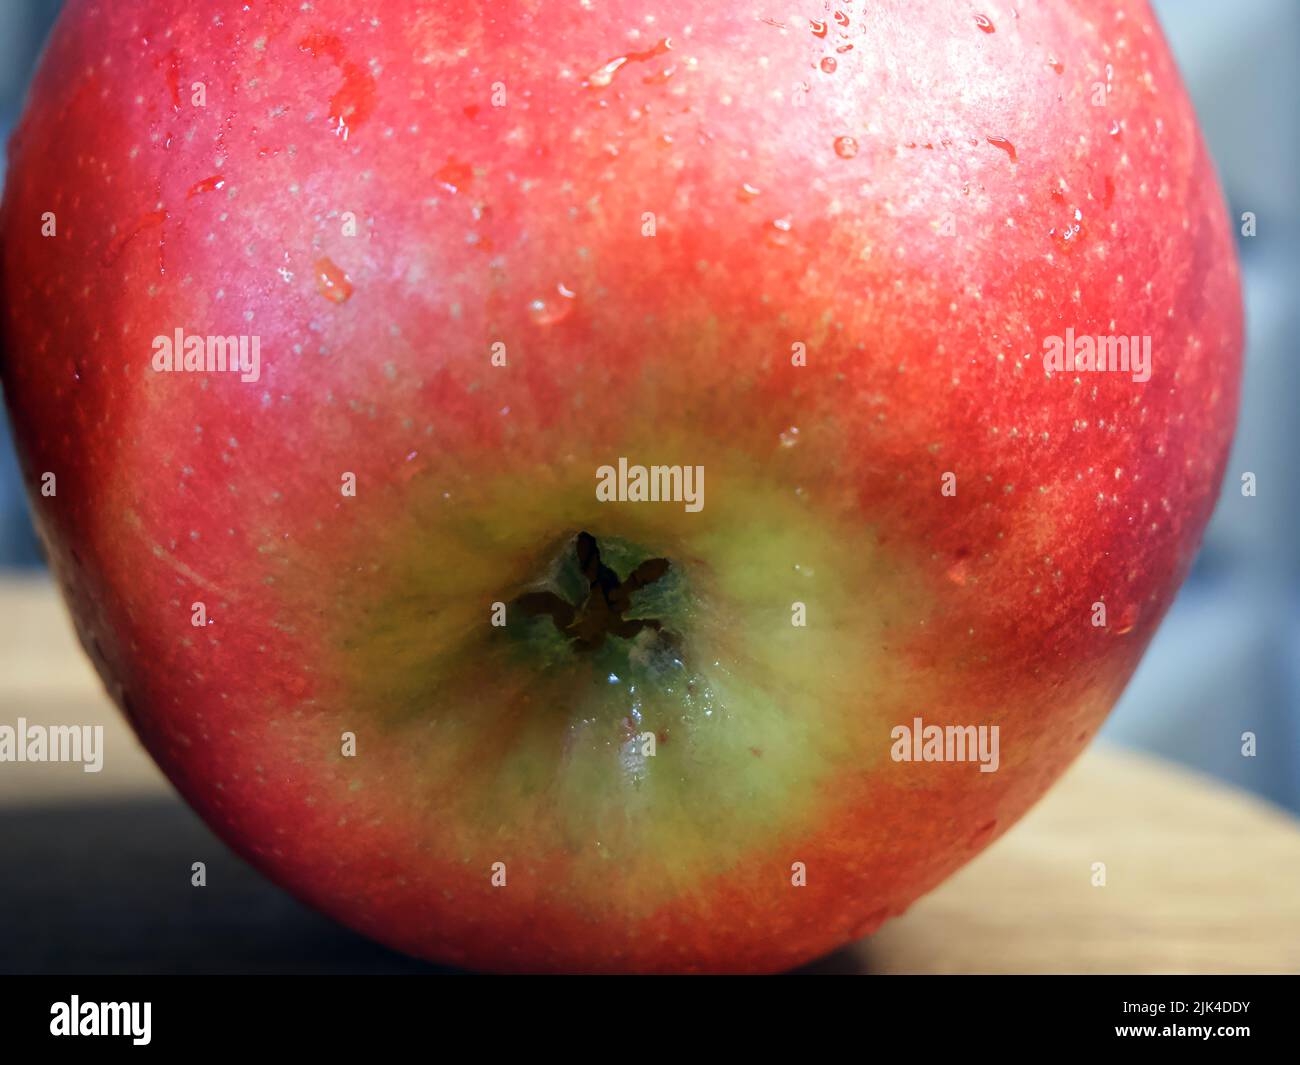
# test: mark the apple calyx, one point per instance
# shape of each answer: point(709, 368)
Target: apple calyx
point(589, 600)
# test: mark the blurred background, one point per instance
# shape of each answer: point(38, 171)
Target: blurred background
point(1227, 659)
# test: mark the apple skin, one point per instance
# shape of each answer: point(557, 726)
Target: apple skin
point(922, 266)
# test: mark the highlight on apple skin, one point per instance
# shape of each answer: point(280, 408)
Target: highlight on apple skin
point(623, 487)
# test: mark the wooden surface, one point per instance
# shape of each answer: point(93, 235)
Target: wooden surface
point(94, 867)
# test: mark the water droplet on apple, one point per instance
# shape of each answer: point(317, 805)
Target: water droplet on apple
point(818, 28)
point(1127, 620)
point(1068, 236)
point(748, 193)
point(984, 23)
point(790, 437)
point(598, 79)
point(1003, 144)
point(355, 100)
point(779, 234)
point(553, 310)
point(828, 65)
point(216, 181)
point(603, 76)
point(846, 147)
point(331, 282)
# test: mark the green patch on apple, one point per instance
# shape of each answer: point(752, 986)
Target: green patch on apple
point(668, 707)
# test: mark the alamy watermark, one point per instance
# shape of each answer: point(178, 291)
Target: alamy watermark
point(1116, 354)
point(179, 353)
point(651, 484)
point(54, 743)
point(102, 1018)
point(920, 742)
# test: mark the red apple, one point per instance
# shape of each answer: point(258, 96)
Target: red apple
point(488, 249)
